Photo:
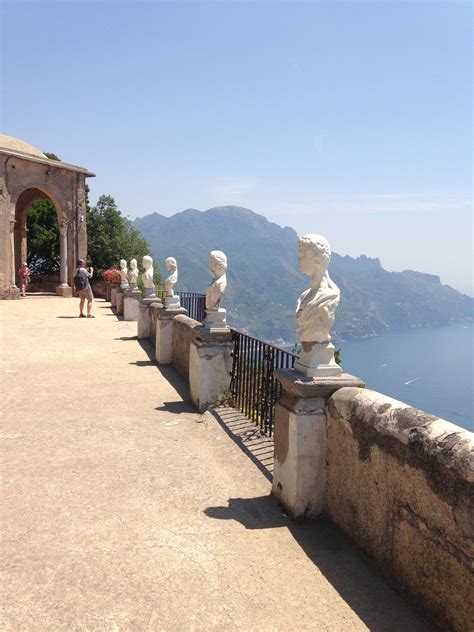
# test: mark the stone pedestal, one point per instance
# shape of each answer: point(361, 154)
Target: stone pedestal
point(64, 290)
point(317, 360)
point(164, 334)
point(119, 301)
point(12, 293)
point(299, 478)
point(131, 301)
point(143, 327)
point(172, 302)
point(113, 296)
point(210, 364)
point(216, 321)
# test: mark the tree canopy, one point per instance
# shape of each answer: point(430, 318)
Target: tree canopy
point(111, 237)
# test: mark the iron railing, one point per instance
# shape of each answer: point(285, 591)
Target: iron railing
point(194, 303)
point(253, 386)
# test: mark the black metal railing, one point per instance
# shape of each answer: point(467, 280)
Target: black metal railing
point(253, 386)
point(194, 303)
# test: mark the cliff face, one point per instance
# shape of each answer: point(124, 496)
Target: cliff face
point(264, 279)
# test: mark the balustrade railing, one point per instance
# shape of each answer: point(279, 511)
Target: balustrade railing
point(253, 386)
point(194, 303)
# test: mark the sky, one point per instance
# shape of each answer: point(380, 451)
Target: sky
point(349, 119)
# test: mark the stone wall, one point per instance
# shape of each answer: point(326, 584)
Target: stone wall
point(183, 328)
point(153, 318)
point(99, 288)
point(400, 483)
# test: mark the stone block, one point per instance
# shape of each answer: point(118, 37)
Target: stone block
point(164, 334)
point(130, 305)
point(210, 364)
point(64, 290)
point(143, 327)
point(113, 296)
point(119, 302)
point(299, 477)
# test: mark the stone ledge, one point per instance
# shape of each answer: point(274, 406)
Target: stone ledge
point(410, 434)
point(302, 386)
point(165, 313)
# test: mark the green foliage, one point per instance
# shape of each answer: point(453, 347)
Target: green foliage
point(226, 399)
point(43, 237)
point(111, 237)
point(50, 155)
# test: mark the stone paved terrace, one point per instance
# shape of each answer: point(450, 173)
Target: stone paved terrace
point(124, 510)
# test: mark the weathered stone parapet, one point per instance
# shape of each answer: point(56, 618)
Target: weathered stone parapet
point(400, 483)
point(299, 479)
point(164, 333)
point(210, 365)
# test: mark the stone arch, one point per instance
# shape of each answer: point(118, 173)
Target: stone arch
point(26, 174)
point(22, 204)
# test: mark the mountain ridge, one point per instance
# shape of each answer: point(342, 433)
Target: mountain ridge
point(264, 280)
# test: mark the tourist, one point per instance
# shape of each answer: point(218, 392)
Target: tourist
point(24, 274)
point(83, 287)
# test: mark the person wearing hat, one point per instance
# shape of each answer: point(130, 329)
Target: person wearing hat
point(24, 274)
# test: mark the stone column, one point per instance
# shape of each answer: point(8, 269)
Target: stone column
point(63, 288)
point(299, 479)
point(14, 291)
point(12, 247)
point(210, 365)
point(164, 333)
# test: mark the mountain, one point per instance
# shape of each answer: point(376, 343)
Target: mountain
point(263, 279)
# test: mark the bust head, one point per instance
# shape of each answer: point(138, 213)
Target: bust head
point(314, 254)
point(123, 263)
point(217, 262)
point(171, 264)
point(133, 264)
point(147, 262)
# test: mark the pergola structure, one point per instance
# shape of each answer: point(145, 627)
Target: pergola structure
point(25, 175)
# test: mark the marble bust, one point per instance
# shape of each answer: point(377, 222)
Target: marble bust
point(215, 315)
point(147, 277)
point(171, 300)
point(172, 268)
point(216, 288)
point(123, 274)
point(133, 273)
point(316, 308)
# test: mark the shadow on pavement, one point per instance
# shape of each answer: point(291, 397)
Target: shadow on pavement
point(177, 408)
point(348, 569)
point(247, 436)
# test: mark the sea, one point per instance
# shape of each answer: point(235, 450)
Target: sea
point(429, 368)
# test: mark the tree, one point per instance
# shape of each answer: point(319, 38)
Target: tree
point(43, 237)
point(111, 237)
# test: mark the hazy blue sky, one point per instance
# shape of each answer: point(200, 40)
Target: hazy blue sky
point(350, 119)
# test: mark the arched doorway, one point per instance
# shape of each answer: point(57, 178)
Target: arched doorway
point(36, 237)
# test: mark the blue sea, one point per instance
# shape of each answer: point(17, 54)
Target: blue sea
point(430, 368)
